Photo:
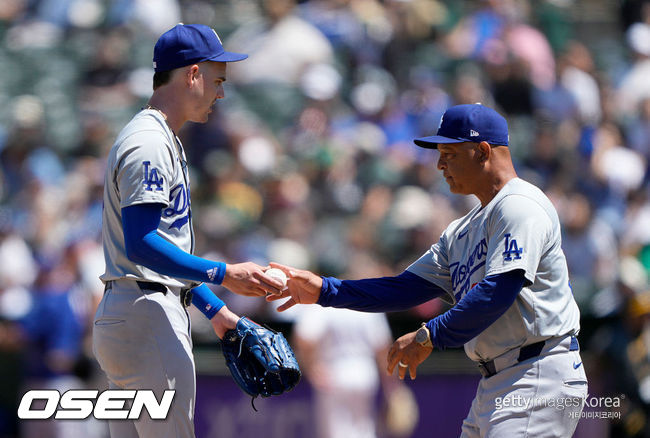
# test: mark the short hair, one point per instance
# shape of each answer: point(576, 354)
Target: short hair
point(160, 78)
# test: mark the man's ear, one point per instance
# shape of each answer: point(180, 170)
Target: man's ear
point(191, 74)
point(484, 151)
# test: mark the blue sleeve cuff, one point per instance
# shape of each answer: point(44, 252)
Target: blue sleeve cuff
point(328, 291)
point(206, 301)
point(221, 272)
point(432, 325)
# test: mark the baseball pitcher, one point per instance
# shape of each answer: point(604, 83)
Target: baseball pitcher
point(141, 334)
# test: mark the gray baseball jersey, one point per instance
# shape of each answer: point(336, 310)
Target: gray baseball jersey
point(146, 165)
point(518, 229)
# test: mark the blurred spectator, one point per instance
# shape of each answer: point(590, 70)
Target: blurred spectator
point(638, 131)
point(17, 266)
point(157, 16)
point(576, 76)
point(590, 248)
point(50, 334)
point(104, 84)
point(17, 272)
point(635, 236)
point(339, 24)
point(609, 147)
point(281, 45)
point(623, 352)
point(343, 355)
point(634, 86)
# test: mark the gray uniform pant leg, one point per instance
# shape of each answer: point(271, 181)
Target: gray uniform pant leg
point(541, 397)
point(141, 340)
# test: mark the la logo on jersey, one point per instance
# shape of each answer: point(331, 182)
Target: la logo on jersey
point(151, 177)
point(512, 250)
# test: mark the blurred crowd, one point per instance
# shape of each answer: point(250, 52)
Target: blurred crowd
point(309, 159)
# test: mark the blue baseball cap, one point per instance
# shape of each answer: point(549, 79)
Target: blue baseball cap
point(473, 122)
point(187, 44)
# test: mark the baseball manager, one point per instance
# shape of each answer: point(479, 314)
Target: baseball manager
point(502, 268)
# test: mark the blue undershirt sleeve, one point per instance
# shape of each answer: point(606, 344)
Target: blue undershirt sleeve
point(386, 294)
point(477, 310)
point(206, 301)
point(146, 247)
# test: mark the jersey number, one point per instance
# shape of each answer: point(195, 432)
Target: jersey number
point(512, 249)
point(151, 177)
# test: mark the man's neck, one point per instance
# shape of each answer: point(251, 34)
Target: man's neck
point(170, 108)
point(494, 186)
point(498, 171)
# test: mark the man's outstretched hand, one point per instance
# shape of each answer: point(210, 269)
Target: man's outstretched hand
point(303, 287)
point(249, 279)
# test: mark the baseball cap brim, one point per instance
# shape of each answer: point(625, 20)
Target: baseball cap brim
point(432, 141)
point(228, 57)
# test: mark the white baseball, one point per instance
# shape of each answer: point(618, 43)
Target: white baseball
point(277, 274)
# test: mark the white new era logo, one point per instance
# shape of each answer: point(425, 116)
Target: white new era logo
point(473, 133)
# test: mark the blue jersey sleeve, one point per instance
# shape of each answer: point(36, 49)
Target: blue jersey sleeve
point(146, 247)
point(386, 294)
point(477, 310)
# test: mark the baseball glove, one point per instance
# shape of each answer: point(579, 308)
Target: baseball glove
point(260, 360)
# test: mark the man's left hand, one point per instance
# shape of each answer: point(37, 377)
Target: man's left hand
point(406, 354)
